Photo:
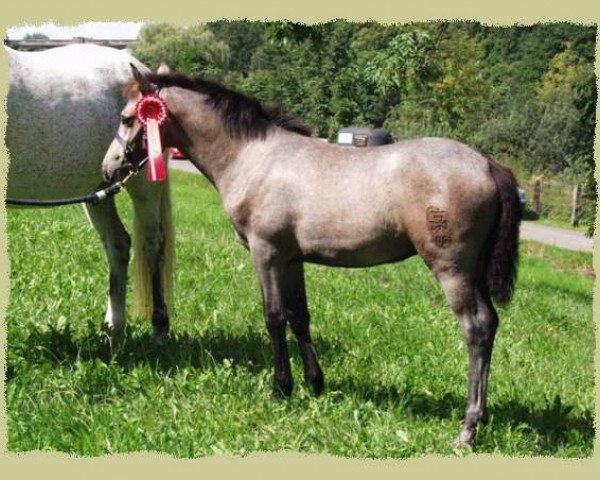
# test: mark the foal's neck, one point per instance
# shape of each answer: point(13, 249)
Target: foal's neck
point(203, 135)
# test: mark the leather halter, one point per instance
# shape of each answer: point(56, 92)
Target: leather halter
point(129, 146)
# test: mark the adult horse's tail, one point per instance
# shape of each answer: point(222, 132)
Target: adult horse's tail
point(503, 253)
point(143, 306)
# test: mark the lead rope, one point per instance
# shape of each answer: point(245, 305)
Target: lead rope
point(93, 197)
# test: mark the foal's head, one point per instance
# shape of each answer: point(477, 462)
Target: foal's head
point(127, 148)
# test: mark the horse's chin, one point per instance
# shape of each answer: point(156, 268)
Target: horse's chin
point(114, 175)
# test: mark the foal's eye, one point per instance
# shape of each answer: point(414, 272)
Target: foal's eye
point(127, 121)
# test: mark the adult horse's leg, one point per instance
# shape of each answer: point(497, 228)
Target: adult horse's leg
point(116, 241)
point(479, 322)
point(154, 252)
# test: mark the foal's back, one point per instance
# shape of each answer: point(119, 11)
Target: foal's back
point(359, 207)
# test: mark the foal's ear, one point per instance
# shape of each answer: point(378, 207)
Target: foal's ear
point(142, 81)
point(163, 69)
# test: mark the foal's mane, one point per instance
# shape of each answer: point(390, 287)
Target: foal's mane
point(243, 116)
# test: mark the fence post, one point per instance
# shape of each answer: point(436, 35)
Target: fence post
point(576, 205)
point(537, 196)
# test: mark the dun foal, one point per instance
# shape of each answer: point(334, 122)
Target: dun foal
point(294, 199)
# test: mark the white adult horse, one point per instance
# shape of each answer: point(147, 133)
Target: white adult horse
point(63, 109)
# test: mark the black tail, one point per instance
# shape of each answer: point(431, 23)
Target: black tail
point(503, 253)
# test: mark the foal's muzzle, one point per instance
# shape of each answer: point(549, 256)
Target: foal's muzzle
point(115, 171)
point(116, 167)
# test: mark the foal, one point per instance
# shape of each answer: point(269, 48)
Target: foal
point(294, 199)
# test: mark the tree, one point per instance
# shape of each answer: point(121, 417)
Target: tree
point(35, 37)
point(242, 37)
point(563, 137)
point(441, 85)
point(190, 50)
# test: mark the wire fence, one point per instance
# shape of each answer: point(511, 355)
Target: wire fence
point(557, 199)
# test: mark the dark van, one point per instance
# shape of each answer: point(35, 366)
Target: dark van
point(364, 137)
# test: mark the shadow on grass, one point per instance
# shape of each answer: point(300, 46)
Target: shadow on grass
point(544, 289)
point(556, 423)
point(60, 346)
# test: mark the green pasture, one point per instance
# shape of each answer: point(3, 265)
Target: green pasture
point(393, 355)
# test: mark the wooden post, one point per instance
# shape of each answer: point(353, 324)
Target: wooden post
point(576, 205)
point(537, 196)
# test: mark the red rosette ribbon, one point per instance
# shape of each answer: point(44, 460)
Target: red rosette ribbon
point(151, 111)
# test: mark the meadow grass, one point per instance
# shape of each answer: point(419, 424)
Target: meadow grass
point(393, 354)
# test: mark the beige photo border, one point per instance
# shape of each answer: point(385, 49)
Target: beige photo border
point(282, 465)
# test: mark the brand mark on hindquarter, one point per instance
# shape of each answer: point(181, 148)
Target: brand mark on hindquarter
point(437, 224)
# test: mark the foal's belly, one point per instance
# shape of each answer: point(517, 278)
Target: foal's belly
point(342, 252)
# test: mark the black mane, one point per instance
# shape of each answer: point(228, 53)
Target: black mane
point(243, 116)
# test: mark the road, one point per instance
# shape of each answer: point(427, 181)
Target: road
point(558, 237)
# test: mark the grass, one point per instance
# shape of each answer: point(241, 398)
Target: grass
point(392, 352)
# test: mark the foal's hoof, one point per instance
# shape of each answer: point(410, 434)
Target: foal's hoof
point(282, 390)
point(317, 384)
point(465, 438)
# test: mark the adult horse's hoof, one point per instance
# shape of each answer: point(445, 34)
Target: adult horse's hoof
point(161, 336)
point(115, 336)
point(117, 340)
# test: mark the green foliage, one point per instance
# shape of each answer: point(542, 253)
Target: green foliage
point(517, 57)
point(451, 97)
point(189, 50)
point(581, 135)
point(242, 37)
point(404, 65)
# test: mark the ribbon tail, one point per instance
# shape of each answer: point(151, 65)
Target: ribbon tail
point(156, 162)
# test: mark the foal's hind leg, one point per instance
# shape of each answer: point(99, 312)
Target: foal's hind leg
point(479, 322)
point(116, 241)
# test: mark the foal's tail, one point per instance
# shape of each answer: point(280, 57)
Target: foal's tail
point(143, 305)
point(503, 253)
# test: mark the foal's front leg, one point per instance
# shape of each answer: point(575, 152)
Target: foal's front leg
point(270, 276)
point(296, 307)
point(284, 301)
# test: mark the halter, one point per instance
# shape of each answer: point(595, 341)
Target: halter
point(151, 112)
point(128, 147)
